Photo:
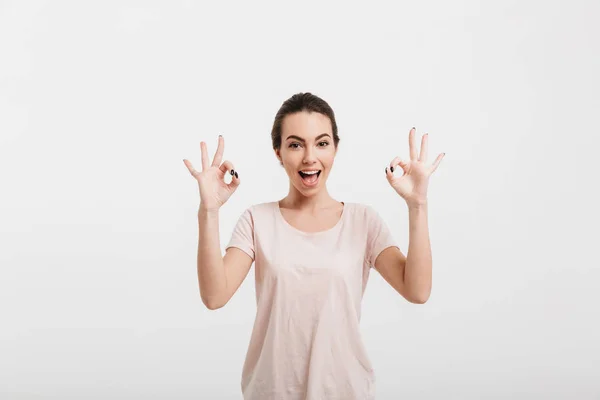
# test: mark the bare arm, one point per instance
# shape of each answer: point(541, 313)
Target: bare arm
point(218, 277)
point(211, 272)
point(418, 268)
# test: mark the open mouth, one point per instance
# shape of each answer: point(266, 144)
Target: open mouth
point(309, 179)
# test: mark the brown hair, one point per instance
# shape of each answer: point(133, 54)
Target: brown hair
point(298, 103)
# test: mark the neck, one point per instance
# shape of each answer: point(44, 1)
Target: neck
point(298, 201)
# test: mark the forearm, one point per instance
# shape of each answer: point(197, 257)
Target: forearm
point(211, 272)
point(418, 269)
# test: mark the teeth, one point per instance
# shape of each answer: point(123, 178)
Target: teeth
point(309, 172)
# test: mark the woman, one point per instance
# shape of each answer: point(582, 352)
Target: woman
point(312, 257)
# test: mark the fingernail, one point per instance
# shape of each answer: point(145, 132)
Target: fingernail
point(386, 170)
point(231, 172)
point(220, 135)
point(392, 169)
point(236, 175)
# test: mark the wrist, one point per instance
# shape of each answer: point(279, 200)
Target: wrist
point(207, 211)
point(417, 205)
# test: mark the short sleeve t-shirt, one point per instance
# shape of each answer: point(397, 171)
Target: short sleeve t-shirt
point(306, 342)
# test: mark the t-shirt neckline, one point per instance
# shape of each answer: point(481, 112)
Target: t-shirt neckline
point(284, 221)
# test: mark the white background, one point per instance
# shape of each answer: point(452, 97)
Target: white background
point(101, 101)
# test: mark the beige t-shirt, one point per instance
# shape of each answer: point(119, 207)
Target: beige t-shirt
point(306, 342)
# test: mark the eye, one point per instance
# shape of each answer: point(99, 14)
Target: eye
point(295, 145)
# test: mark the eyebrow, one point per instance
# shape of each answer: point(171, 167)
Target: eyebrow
point(302, 140)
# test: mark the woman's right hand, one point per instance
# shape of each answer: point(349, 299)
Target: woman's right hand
point(214, 192)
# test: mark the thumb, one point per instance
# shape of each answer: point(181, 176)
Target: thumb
point(235, 181)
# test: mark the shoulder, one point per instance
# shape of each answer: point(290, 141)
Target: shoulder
point(268, 206)
point(259, 210)
point(363, 211)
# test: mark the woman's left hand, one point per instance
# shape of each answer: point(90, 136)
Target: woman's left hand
point(412, 185)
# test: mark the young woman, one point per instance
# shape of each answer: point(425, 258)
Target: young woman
point(312, 258)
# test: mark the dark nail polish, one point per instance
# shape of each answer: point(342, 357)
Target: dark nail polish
point(231, 172)
point(392, 169)
point(386, 170)
point(236, 175)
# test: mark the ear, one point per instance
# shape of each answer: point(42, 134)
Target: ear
point(277, 155)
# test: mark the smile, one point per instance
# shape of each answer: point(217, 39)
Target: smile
point(309, 179)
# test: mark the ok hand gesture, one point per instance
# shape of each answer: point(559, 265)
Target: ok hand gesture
point(214, 192)
point(412, 185)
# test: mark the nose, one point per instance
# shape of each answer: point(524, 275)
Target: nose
point(309, 157)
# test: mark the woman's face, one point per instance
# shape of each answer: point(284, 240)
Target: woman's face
point(307, 145)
